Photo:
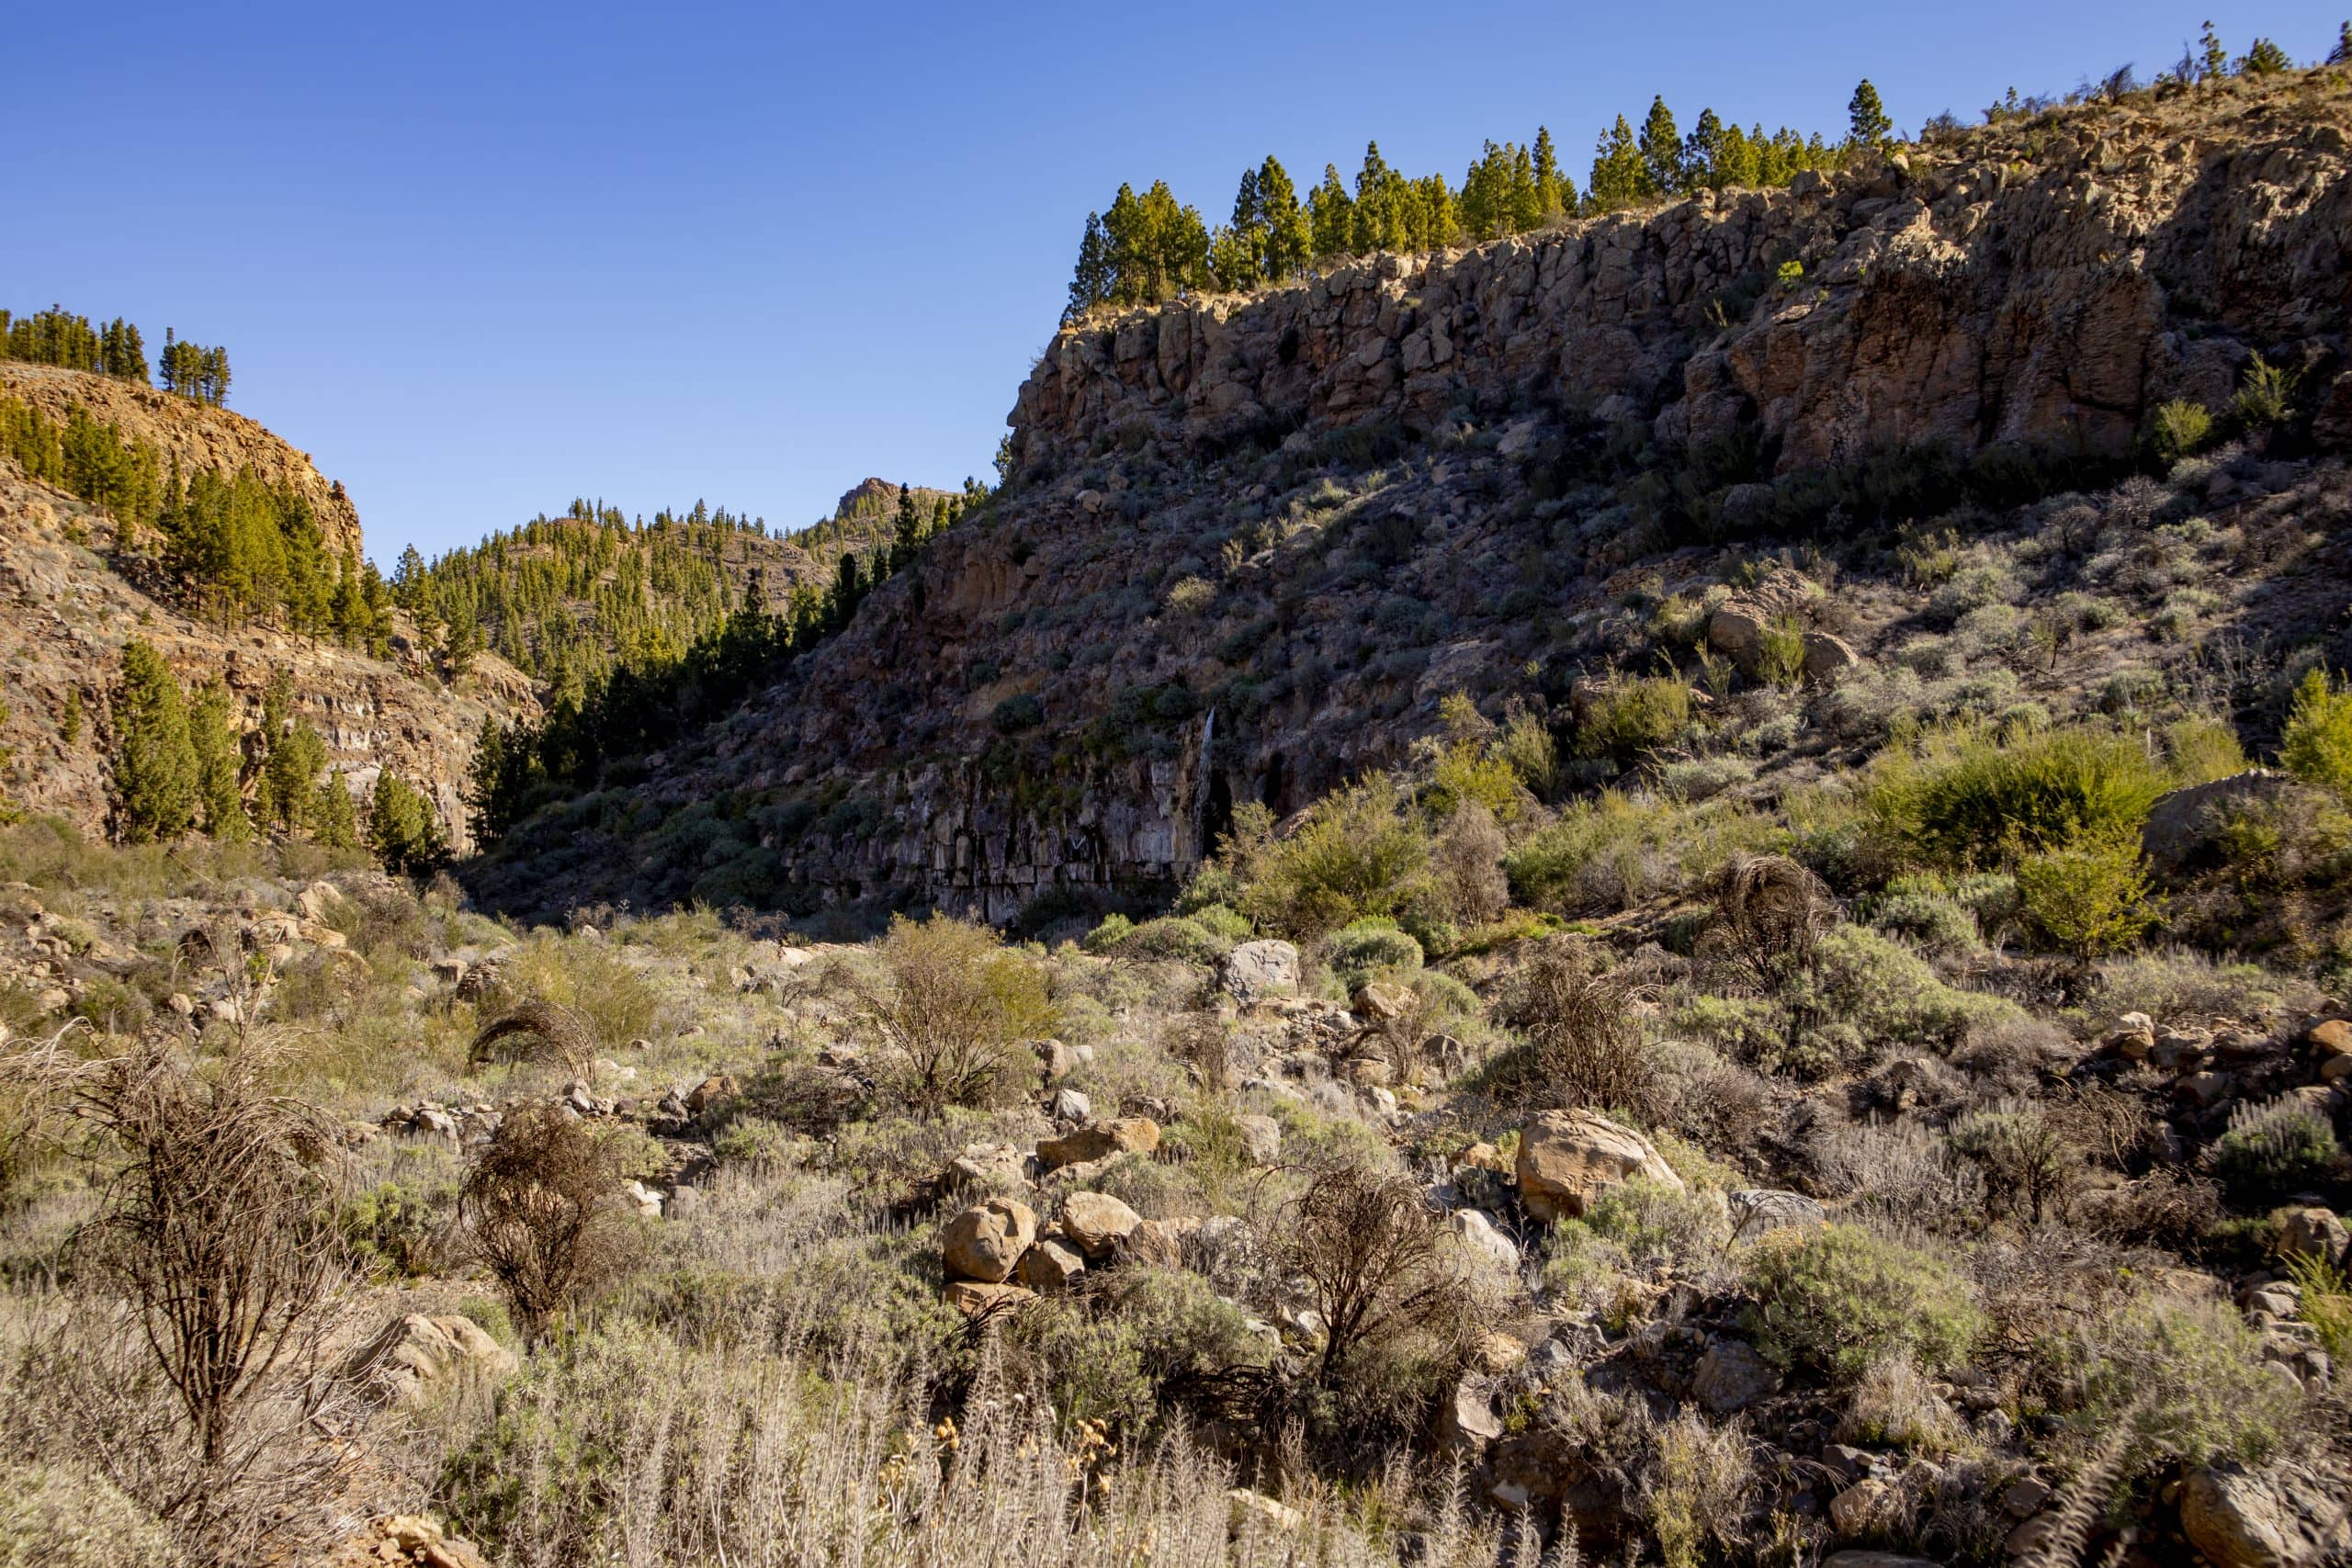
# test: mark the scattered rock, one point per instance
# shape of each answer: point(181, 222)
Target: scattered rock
point(2181, 830)
point(1756, 1210)
point(985, 1242)
point(1097, 1222)
point(1049, 1266)
point(1254, 1512)
point(1567, 1157)
point(1862, 1508)
point(1483, 1237)
point(1257, 970)
point(1380, 1002)
point(413, 1358)
point(1261, 1138)
point(2286, 1517)
point(1732, 1376)
point(2313, 1232)
point(1121, 1135)
point(979, 1298)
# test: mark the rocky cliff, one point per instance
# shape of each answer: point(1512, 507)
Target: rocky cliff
point(1253, 542)
point(2045, 283)
point(192, 434)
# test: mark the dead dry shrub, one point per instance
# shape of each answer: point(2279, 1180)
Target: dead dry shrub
point(1467, 860)
point(1770, 914)
point(542, 1211)
point(1584, 1036)
point(1202, 1040)
point(189, 1362)
point(1373, 1258)
point(538, 1030)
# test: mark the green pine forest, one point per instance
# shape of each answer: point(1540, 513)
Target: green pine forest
point(57, 336)
point(642, 632)
point(1144, 249)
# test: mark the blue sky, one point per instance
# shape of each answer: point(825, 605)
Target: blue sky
point(479, 259)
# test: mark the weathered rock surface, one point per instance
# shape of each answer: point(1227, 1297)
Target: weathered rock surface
point(1568, 1158)
point(2286, 1517)
point(986, 1241)
point(415, 1358)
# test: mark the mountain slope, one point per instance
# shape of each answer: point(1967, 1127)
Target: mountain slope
point(1254, 541)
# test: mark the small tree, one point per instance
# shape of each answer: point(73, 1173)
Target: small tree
point(1867, 124)
point(1584, 1037)
point(543, 1213)
point(2264, 59)
point(952, 1009)
point(2316, 745)
point(156, 768)
point(402, 827)
point(212, 729)
point(2088, 899)
point(2213, 60)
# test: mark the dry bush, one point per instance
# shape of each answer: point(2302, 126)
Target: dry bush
point(190, 1368)
point(2032, 1162)
point(1769, 916)
point(1584, 1038)
point(952, 1010)
point(1898, 1171)
point(542, 1210)
point(1468, 863)
point(1695, 1497)
point(1372, 1253)
point(1202, 1040)
point(538, 1030)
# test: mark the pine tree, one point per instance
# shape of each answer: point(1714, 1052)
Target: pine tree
point(1554, 195)
point(154, 762)
point(69, 726)
point(333, 819)
point(1867, 124)
point(2341, 54)
point(2264, 59)
point(1662, 149)
point(2216, 59)
point(212, 729)
point(1091, 285)
point(403, 829)
point(1620, 175)
point(1331, 216)
point(1290, 247)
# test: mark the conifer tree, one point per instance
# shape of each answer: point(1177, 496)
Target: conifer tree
point(2264, 59)
point(403, 829)
point(69, 726)
point(2215, 60)
point(1290, 247)
point(1662, 150)
point(213, 730)
point(2341, 54)
point(333, 819)
point(1092, 286)
point(1867, 124)
point(1331, 216)
point(1620, 175)
point(155, 772)
point(1554, 195)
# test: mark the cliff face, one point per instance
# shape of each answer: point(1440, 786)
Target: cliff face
point(66, 613)
point(1255, 542)
point(2042, 285)
point(195, 435)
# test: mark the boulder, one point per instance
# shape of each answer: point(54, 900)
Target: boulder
point(1068, 1105)
point(1732, 1376)
point(318, 902)
point(1380, 1001)
point(1568, 1157)
point(1756, 1210)
point(2329, 1037)
point(985, 1168)
point(1097, 1222)
point(978, 1298)
point(1827, 659)
point(1121, 1135)
point(2312, 1232)
point(1055, 1060)
point(413, 1357)
point(1248, 1512)
point(1049, 1266)
point(1156, 1242)
point(1261, 1138)
point(713, 1091)
point(2182, 827)
point(2285, 1516)
point(1483, 1238)
point(985, 1242)
point(1864, 1506)
point(1257, 970)
point(1466, 1418)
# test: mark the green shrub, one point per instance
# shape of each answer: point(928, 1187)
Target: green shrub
point(2266, 395)
point(1106, 937)
point(1838, 1299)
point(2317, 745)
point(2177, 429)
point(1466, 774)
point(1966, 799)
point(1175, 936)
point(393, 1229)
point(1637, 1227)
point(1631, 718)
point(1780, 652)
point(2275, 1148)
point(2185, 1378)
point(2087, 899)
point(1361, 851)
point(1363, 949)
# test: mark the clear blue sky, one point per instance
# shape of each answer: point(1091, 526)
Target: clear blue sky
point(479, 259)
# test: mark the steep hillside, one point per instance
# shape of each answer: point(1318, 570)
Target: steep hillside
point(70, 610)
point(1254, 541)
point(194, 435)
